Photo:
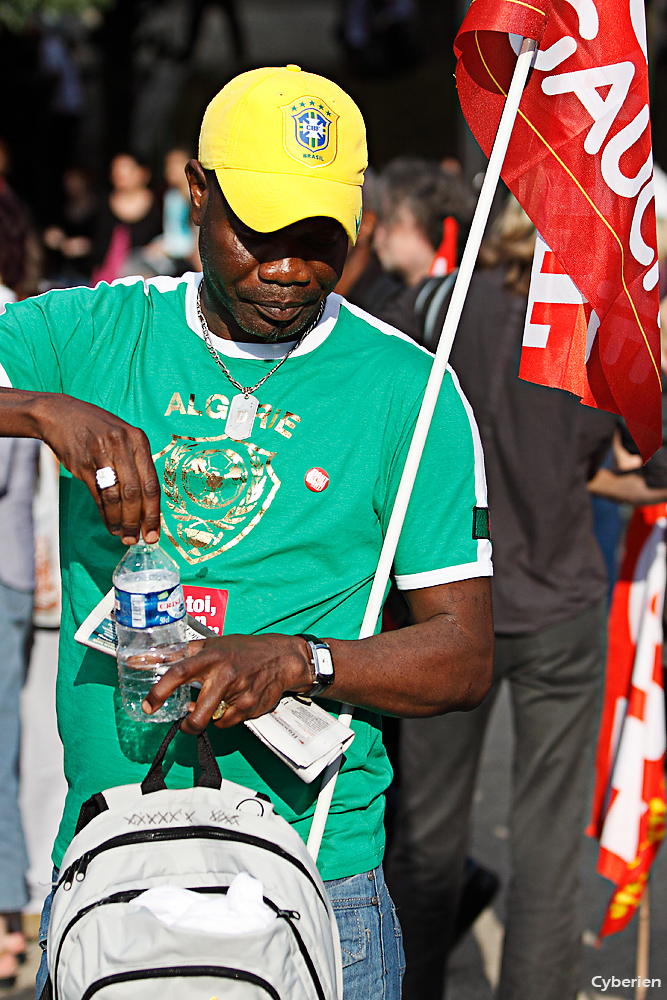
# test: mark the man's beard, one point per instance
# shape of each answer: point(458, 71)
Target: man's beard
point(277, 332)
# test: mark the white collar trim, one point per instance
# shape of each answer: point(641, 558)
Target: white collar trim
point(260, 352)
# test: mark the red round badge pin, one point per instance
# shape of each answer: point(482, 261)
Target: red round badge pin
point(317, 480)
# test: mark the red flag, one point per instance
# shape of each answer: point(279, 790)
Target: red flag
point(580, 163)
point(444, 261)
point(629, 802)
point(560, 330)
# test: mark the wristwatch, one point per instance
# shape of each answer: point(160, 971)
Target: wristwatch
point(322, 661)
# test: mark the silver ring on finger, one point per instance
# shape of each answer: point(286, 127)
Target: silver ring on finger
point(106, 477)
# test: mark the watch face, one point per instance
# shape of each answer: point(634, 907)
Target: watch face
point(323, 661)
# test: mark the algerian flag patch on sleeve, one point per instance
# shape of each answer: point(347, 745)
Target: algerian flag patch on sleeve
point(481, 526)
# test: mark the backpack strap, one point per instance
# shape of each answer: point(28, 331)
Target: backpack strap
point(91, 808)
point(210, 776)
point(427, 308)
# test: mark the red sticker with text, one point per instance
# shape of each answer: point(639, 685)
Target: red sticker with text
point(207, 604)
point(317, 480)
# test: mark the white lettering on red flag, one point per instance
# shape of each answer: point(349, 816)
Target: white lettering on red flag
point(580, 163)
point(560, 328)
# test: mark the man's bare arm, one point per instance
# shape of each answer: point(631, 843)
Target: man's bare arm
point(441, 663)
point(628, 488)
point(86, 438)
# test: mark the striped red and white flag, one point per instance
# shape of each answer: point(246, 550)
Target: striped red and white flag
point(629, 802)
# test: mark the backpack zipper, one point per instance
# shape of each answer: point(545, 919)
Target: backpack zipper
point(289, 916)
point(181, 971)
point(77, 870)
point(126, 896)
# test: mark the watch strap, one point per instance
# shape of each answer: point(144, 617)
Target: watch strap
point(321, 683)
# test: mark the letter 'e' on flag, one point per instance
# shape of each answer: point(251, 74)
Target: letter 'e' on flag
point(580, 163)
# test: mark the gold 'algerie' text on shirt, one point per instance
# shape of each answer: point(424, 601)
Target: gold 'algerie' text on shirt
point(217, 406)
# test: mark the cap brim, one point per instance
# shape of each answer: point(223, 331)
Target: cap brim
point(267, 202)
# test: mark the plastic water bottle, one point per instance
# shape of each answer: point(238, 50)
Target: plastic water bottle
point(151, 630)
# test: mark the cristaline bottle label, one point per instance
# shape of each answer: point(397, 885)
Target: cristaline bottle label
point(148, 610)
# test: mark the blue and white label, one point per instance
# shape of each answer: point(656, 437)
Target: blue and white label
point(149, 610)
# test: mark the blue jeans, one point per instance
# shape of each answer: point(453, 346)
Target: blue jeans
point(43, 971)
point(370, 937)
point(15, 626)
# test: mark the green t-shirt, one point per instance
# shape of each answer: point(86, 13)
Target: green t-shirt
point(239, 515)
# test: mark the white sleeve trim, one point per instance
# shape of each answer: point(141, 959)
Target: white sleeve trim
point(449, 574)
point(480, 473)
point(5, 382)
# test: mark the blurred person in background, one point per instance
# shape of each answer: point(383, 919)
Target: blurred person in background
point(129, 219)
point(364, 282)
point(660, 188)
point(5, 159)
point(18, 472)
point(381, 38)
point(70, 239)
point(64, 100)
point(175, 250)
point(542, 451)
point(197, 9)
point(423, 219)
point(13, 245)
point(42, 788)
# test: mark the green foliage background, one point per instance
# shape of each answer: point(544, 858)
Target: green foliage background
point(17, 14)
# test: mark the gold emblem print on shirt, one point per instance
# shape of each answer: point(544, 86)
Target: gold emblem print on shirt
point(216, 491)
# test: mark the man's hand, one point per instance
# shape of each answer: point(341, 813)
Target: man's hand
point(249, 672)
point(86, 438)
point(442, 663)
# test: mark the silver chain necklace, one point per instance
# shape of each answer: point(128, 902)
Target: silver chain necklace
point(243, 407)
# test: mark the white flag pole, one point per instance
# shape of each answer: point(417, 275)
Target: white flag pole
point(376, 596)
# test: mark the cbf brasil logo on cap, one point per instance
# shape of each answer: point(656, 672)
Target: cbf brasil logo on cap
point(310, 131)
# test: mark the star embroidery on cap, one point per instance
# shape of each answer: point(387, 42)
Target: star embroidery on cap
point(328, 114)
point(312, 104)
point(294, 108)
point(303, 104)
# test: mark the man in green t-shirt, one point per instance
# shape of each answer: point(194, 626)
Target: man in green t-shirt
point(259, 425)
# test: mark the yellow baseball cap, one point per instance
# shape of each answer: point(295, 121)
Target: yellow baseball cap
point(286, 145)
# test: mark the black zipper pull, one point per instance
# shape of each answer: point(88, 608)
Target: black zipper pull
point(288, 914)
point(68, 877)
point(82, 867)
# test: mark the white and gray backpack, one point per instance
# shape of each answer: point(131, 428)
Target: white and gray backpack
point(103, 944)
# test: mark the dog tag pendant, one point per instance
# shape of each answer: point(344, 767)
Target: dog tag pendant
point(241, 417)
